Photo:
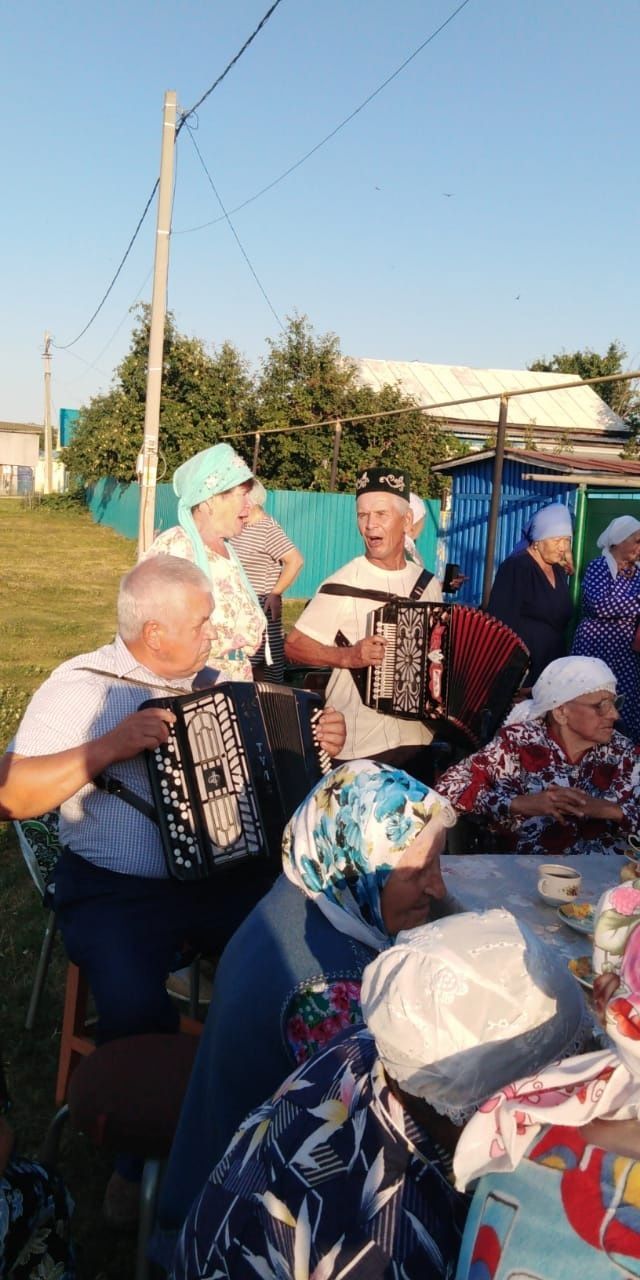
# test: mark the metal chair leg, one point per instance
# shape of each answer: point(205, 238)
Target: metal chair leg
point(149, 1191)
point(42, 969)
point(51, 1145)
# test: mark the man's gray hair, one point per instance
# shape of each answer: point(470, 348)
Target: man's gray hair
point(147, 592)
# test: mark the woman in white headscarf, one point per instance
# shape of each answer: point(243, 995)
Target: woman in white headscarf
point(610, 606)
point(347, 1170)
point(531, 593)
point(557, 778)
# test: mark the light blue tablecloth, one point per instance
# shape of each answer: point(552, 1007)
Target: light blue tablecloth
point(510, 880)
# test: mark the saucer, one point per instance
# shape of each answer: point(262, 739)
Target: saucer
point(578, 915)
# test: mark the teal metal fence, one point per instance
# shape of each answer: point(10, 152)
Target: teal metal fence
point(322, 525)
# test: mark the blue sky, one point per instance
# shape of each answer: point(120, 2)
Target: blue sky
point(525, 110)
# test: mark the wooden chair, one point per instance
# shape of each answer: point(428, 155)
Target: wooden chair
point(126, 1096)
point(76, 1038)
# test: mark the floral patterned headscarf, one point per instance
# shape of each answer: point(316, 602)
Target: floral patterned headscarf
point(344, 840)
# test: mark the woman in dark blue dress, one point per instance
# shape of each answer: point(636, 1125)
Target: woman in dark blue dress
point(610, 607)
point(531, 590)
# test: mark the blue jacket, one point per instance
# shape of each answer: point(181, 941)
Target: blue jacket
point(243, 1058)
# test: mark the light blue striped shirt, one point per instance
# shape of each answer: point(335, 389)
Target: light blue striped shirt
point(76, 705)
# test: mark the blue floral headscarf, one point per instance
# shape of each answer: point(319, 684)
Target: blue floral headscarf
point(345, 839)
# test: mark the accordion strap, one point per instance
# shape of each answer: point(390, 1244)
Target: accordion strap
point(364, 593)
point(114, 787)
point(358, 675)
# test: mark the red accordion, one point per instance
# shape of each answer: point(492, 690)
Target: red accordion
point(452, 666)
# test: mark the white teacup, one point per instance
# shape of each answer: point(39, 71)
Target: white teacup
point(557, 883)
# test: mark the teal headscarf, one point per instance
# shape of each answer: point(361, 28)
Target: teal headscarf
point(215, 470)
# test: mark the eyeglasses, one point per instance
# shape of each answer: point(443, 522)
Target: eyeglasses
point(604, 706)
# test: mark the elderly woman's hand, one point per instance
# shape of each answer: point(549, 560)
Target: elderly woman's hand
point(332, 731)
point(553, 802)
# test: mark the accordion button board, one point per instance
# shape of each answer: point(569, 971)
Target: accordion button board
point(238, 760)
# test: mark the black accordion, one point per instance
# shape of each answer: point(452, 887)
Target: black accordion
point(454, 667)
point(239, 759)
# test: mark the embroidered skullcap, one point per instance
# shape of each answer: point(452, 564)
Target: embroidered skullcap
point(418, 508)
point(213, 471)
point(383, 480)
point(552, 521)
point(560, 682)
point(344, 840)
point(461, 1007)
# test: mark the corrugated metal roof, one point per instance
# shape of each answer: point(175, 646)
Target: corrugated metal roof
point(577, 408)
point(561, 462)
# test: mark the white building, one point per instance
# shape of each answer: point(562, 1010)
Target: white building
point(549, 420)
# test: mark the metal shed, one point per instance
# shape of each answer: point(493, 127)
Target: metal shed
point(595, 490)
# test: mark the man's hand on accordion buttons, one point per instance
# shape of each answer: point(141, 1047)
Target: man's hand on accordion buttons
point(366, 653)
point(331, 731)
point(273, 606)
point(141, 731)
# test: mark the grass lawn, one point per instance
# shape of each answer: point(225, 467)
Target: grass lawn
point(58, 585)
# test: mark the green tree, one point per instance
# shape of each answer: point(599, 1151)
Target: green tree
point(306, 379)
point(620, 396)
point(204, 397)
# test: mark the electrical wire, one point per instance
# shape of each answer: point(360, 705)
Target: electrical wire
point(332, 134)
point(185, 116)
point(236, 236)
point(65, 346)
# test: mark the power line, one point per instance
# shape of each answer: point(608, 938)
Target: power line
point(185, 115)
point(182, 121)
point(332, 134)
point(100, 305)
point(236, 236)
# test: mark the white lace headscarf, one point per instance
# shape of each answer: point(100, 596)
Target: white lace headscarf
point(615, 533)
point(560, 682)
point(461, 1007)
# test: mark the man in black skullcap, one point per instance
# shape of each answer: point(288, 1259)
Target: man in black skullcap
point(332, 631)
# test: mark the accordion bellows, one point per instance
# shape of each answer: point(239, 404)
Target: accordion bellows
point(452, 666)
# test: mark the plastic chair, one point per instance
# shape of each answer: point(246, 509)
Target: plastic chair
point(40, 847)
point(126, 1096)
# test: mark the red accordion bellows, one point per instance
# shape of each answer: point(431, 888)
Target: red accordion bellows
point(449, 665)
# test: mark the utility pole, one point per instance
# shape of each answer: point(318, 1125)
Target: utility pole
point(48, 457)
point(156, 334)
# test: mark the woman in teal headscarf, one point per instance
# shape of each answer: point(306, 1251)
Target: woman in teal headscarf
point(212, 490)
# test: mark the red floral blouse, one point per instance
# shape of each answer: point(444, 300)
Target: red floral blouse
point(524, 758)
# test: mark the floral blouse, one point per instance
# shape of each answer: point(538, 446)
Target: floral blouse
point(524, 759)
point(317, 1012)
point(331, 1178)
point(237, 620)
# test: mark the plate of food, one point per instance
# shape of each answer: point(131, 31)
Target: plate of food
point(581, 969)
point(578, 915)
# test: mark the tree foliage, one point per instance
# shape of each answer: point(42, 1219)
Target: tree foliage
point(306, 379)
point(303, 379)
point(620, 396)
point(203, 397)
